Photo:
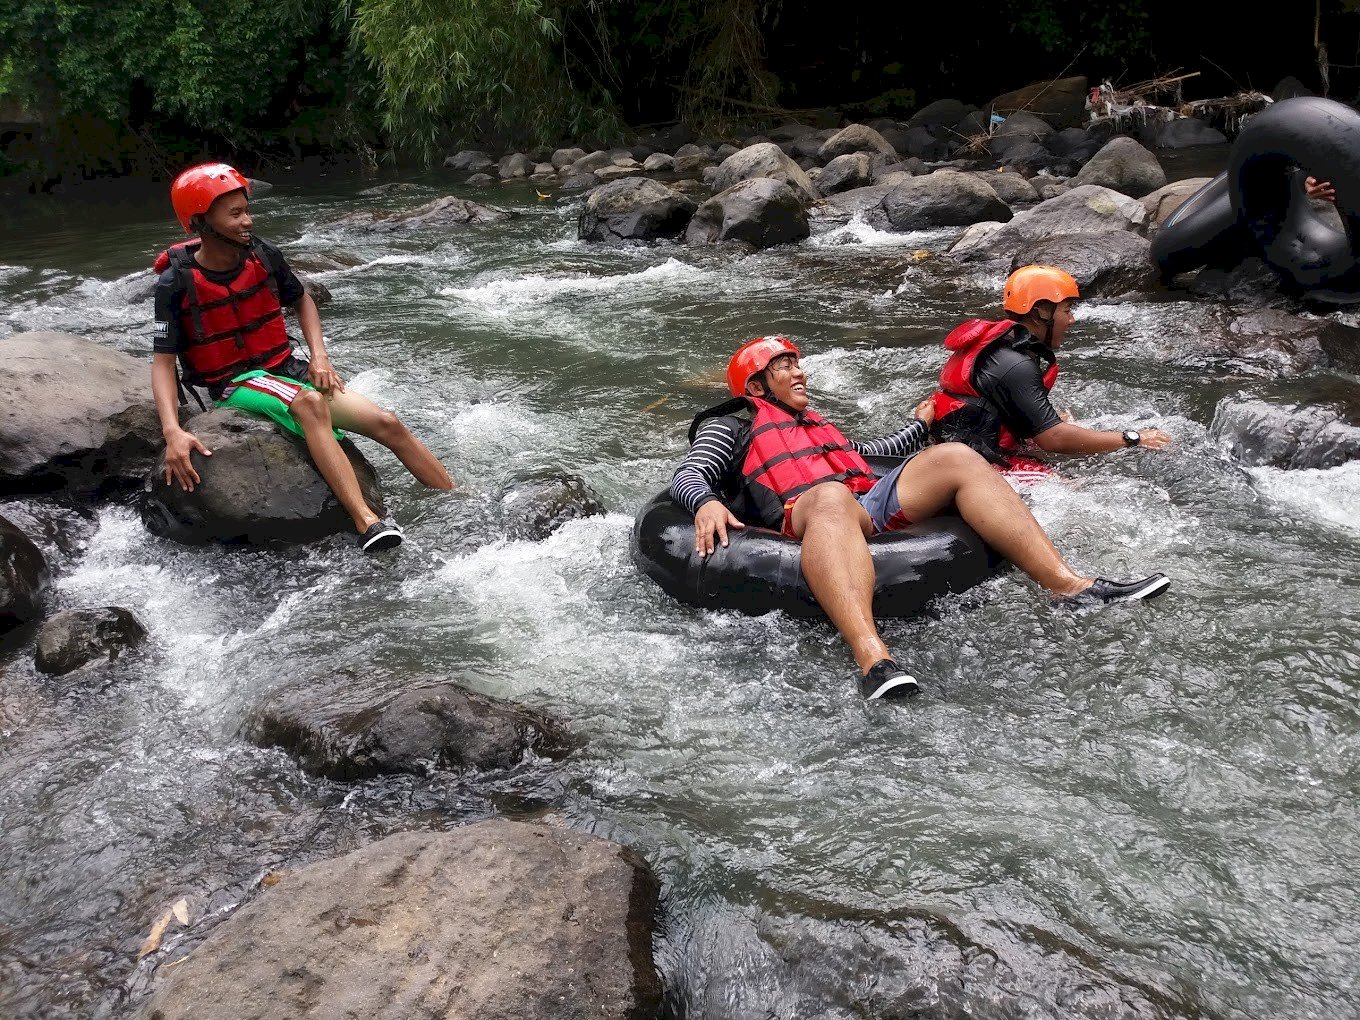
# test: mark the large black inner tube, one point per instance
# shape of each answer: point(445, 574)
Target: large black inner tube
point(1275, 150)
point(761, 570)
point(1202, 231)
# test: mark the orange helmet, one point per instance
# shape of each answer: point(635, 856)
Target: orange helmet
point(197, 188)
point(752, 357)
point(1029, 284)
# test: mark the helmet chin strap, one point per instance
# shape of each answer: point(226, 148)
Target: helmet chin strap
point(206, 229)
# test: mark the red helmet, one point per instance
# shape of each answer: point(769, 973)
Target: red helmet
point(198, 187)
point(752, 357)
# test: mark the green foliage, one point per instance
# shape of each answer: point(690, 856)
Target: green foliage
point(1056, 27)
point(451, 68)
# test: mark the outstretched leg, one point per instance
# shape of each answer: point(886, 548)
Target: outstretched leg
point(951, 473)
point(311, 411)
point(354, 413)
point(837, 565)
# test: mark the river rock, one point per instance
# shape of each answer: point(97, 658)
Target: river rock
point(1124, 166)
point(563, 158)
point(1061, 103)
point(480, 180)
point(941, 199)
point(658, 162)
point(258, 486)
point(1012, 188)
point(76, 637)
point(615, 172)
point(910, 167)
point(23, 577)
point(760, 212)
point(579, 182)
point(381, 191)
point(61, 529)
point(855, 138)
point(765, 160)
point(1087, 209)
point(338, 729)
point(498, 920)
point(590, 162)
point(636, 209)
point(536, 507)
point(1275, 341)
point(1250, 282)
point(1167, 199)
point(940, 113)
point(1023, 125)
point(921, 143)
point(1184, 132)
point(74, 415)
point(470, 161)
point(320, 293)
point(1258, 432)
point(844, 173)
point(446, 211)
point(1104, 265)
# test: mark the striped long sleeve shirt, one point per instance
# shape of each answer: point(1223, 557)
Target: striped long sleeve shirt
point(710, 466)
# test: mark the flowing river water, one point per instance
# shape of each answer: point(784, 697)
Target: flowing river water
point(1143, 811)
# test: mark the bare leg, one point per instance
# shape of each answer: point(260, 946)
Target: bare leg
point(313, 414)
point(354, 413)
point(953, 473)
point(837, 566)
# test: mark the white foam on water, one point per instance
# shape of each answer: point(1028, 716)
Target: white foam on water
point(442, 260)
point(858, 232)
point(537, 289)
point(1326, 494)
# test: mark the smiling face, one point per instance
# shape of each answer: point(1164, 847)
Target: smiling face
point(1061, 315)
point(229, 215)
point(786, 381)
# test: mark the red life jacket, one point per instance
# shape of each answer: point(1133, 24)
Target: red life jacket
point(969, 341)
point(227, 329)
point(786, 455)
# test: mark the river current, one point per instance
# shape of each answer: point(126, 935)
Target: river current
point(1147, 811)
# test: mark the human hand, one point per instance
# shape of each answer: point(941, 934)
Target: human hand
point(1319, 189)
point(712, 519)
point(925, 411)
point(179, 465)
point(1153, 439)
point(323, 376)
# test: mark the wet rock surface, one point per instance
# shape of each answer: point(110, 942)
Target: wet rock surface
point(446, 211)
point(1087, 209)
point(1260, 432)
point(764, 160)
point(498, 920)
point(259, 486)
point(939, 200)
point(1123, 166)
point(76, 637)
point(760, 213)
point(23, 577)
point(536, 507)
point(634, 210)
point(335, 732)
point(74, 415)
point(1104, 265)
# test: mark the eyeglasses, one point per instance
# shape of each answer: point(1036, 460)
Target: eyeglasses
point(783, 365)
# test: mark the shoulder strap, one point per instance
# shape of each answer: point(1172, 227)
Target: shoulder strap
point(734, 406)
point(271, 267)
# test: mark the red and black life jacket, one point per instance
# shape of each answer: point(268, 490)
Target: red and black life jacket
point(787, 454)
point(968, 342)
point(230, 328)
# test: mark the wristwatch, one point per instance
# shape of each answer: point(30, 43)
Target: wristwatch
point(1131, 437)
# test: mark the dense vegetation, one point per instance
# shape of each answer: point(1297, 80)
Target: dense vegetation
point(116, 86)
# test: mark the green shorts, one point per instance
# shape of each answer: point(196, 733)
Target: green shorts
point(269, 396)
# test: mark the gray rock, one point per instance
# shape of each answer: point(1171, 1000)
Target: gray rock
point(320, 293)
point(23, 577)
point(1082, 210)
point(855, 138)
point(563, 158)
point(1012, 188)
point(859, 202)
point(942, 112)
point(1290, 87)
point(725, 150)
point(844, 173)
point(922, 144)
point(1106, 264)
point(1165, 200)
point(542, 171)
point(446, 211)
point(74, 415)
point(498, 920)
point(1251, 282)
point(536, 507)
point(1124, 166)
point(480, 179)
point(579, 182)
point(1273, 342)
point(640, 152)
point(317, 262)
point(911, 166)
point(588, 164)
point(469, 160)
point(77, 637)
point(659, 162)
point(382, 191)
point(637, 209)
point(1052, 189)
point(616, 172)
point(513, 166)
point(787, 132)
point(1061, 102)
point(1023, 124)
point(541, 153)
point(690, 160)
point(760, 212)
point(1184, 132)
point(1257, 432)
point(941, 199)
point(765, 160)
point(339, 730)
point(232, 503)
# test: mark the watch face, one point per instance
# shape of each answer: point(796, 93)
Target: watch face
point(1131, 437)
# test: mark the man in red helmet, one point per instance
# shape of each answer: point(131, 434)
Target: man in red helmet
point(765, 459)
point(994, 387)
point(219, 311)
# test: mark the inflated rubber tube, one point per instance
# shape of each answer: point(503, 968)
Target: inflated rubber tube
point(1202, 231)
point(761, 571)
point(1322, 137)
